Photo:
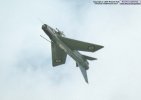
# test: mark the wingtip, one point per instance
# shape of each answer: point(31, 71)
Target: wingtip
point(98, 47)
point(86, 80)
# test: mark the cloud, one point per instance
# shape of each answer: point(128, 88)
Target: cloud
point(25, 69)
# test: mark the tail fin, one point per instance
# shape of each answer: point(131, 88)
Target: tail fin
point(89, 58)
point(84, 73)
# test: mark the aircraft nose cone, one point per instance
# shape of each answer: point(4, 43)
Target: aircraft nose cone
point(44, 26)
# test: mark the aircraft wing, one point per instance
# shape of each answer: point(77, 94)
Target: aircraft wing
point(79, 45)
point(58, 55)
point(84, 73)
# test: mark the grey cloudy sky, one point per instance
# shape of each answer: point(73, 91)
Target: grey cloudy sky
point(26, 72)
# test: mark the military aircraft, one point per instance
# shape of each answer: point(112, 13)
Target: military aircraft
point(62, 46)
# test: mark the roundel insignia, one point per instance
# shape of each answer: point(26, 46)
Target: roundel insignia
point(91, 47)
point(58, 60)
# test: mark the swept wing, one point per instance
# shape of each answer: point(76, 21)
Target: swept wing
point(81, 46)
point(58, 55)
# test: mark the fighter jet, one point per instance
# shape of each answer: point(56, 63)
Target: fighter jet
point(62, 46)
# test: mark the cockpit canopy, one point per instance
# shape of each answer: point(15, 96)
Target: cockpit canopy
point(60, 32)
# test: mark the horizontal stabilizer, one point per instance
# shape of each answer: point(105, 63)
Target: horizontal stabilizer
point(89, 58)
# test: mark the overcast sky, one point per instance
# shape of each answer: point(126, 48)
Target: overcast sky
point(26, 71)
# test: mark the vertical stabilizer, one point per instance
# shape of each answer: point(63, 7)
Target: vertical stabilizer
point(84, 73)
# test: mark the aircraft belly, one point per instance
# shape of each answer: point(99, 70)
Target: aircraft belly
point(70, 52)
